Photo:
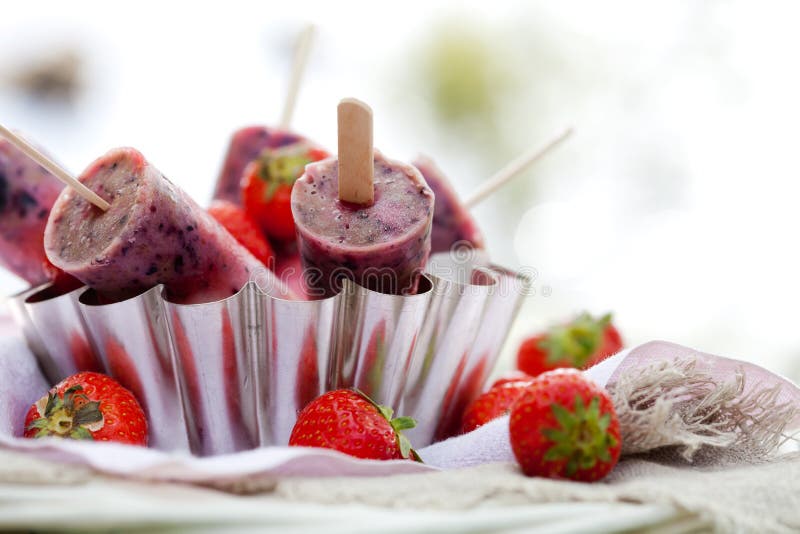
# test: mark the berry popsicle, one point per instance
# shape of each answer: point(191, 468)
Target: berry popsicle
point(153, 233)
point(452, 223)
point(362, 216)
point(27, 192)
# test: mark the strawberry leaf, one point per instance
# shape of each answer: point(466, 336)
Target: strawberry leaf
point(37, 423)
point(385, 411)
point(405, 445)
point(53, 402)
point(81, 433)
point(604, 421)
point(575, 343)
point(88, 413)
point(403, 423)
point(563, 416)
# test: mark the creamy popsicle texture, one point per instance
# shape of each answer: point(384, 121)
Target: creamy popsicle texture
point(27, 192)
point(452, 223)
point(154, 233)
point(383, 247)
point(245, 146)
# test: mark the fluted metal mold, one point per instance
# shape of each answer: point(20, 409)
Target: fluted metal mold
point(232, 375)
point(16, 305)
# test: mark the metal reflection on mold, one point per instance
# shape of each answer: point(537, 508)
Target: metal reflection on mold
point(65, 346)
point(293, 368)
point(133, 340)
point(214, 372)
point(16, 305)
point(232, 375)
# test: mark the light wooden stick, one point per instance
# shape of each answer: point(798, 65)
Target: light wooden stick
point(55, 169)
point(514, 168)
point(356, 157)
point(298, 68)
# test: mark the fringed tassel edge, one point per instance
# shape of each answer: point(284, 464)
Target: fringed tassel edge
point(673, 404)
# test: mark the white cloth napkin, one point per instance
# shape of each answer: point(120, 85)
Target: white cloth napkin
point(22, 383)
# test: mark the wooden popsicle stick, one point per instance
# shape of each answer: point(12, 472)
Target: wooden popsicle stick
point(514, 168)
point(55, 169)
point(298, 69)
point(356, 157)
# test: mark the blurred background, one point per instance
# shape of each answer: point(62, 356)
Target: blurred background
point(673, 204)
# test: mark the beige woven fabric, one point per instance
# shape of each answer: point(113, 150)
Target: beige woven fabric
point(753, 498)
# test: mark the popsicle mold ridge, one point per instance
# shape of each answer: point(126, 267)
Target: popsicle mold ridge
point(231, 375)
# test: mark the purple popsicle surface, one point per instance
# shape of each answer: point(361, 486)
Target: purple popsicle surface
point(383, 247)
point(245, 146)
point(153, 233)
point(452, 222)
point(27, 192)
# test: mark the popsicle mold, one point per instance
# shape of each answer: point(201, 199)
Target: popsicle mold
point(231, 375)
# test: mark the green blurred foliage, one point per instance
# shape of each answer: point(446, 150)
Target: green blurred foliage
point(465, 76)
point(485, 91)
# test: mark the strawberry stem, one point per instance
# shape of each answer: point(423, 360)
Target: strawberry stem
point(575, 342)
point(582, 437)
point(63, 417)
point(398, 424)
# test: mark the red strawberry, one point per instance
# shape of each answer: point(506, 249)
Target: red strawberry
point(348, 421)
point(492, 404)
point(243, 228)
point(564, 426)
point(513, 376)
point(612, 344)
point(580, 343)
point(267, 186)
point(88, 406)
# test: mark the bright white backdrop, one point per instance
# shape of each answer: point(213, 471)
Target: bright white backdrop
point(673, 205)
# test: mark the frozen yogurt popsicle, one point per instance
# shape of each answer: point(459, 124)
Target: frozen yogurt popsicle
point(245, 146)
point(27, 192)
point(383, 246)
point(452, 223)
point(153, 233)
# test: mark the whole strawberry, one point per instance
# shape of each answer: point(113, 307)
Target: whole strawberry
point(581, 343)
point(89, 406)
point(492, 404)
point(349, 422)
point(564, 426)
point(267, 186)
